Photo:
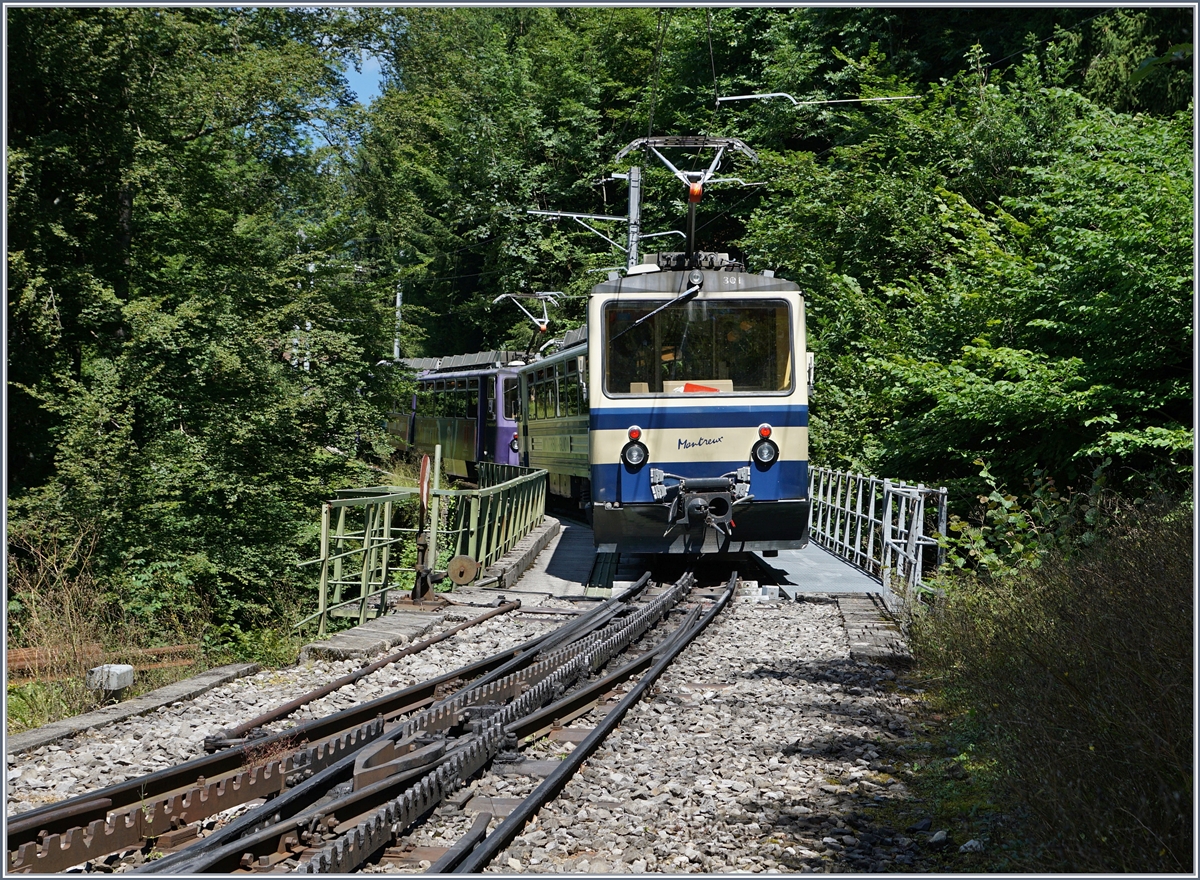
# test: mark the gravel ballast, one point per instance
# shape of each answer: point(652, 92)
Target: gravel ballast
point(759, 751)
point(763, 749)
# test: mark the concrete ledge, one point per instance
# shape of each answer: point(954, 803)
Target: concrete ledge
point(509, 568)
point(146, 703)
point(874, 634)
point(374, 636)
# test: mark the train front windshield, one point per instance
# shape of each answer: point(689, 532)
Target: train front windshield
point(698, 347)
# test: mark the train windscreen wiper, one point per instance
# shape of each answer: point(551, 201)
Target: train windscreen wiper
point(686, 296)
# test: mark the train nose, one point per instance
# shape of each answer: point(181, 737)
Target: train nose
point(704, 502)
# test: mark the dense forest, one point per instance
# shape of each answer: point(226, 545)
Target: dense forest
point(207, 232)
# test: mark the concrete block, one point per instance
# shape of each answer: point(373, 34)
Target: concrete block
point(110, 677)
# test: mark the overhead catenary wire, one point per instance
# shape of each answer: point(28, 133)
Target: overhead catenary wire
point(662, 35)
point(712, 61)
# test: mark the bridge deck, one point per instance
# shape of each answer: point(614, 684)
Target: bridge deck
point(816, 570)
point(563, 567)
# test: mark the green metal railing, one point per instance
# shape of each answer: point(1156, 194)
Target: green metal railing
point(509, 503)
point(360, 538)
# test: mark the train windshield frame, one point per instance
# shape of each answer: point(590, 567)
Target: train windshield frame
point(699, 348)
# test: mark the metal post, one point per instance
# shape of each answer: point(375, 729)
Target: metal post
point(368, 561)
point(396, 338)
point(941, 525)
point(635, 215)
point(871, 522)
point(337, 563)
point(858, 512)
point(387, 550)
point(435, 507)
point(324, 598)
point(474, 536)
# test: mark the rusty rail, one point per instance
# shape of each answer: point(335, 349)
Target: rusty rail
point(234, 735)
point(37, 663)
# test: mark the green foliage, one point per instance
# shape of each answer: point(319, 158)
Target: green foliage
point(271, 646)
point(1004, 272)
point(1009, 533)
point(190, 375)
point(1078, 675)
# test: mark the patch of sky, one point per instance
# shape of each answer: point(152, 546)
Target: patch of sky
point(365, 85)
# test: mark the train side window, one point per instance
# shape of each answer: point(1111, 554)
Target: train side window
point(531, 406)
point(570, 395)
point(511, 399)
point(472, 398)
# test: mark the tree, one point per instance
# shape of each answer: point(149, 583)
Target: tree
point(190, 375)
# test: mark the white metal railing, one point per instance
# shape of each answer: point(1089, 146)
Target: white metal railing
point(881, 526)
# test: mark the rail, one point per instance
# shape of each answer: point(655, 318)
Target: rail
point(361, 542)
point(879, 525)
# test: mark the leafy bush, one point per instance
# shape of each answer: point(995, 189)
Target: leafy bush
point(1082, 670)
point(1008, 532)
point(270, 646)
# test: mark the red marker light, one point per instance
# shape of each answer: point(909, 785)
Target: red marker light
point(764, 430)
point(635, 433)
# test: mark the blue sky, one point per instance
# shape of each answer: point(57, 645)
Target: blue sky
point(365, 84)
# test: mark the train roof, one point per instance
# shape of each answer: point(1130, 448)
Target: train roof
point(458, 363)
point(675, 281)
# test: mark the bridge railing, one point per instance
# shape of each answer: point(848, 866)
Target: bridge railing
point(362, 544)
point(879, 525)
point(509, 503)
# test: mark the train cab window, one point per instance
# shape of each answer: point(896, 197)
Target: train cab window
point(699, 347)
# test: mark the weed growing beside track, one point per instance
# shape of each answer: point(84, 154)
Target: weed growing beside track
point(1075, 679)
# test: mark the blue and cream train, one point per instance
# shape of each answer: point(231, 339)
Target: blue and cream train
point(679, 418)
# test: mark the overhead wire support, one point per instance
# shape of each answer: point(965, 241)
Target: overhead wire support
point(796, 103)
point(579, 218)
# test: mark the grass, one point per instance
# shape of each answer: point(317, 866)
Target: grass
point(1075, 680)
point(57, 606)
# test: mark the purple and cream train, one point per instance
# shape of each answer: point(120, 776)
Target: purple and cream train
point(466, 403)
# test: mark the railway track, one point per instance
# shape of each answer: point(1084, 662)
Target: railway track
point(329, 794)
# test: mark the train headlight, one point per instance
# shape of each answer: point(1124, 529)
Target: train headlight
point(635, 453)
point(513, 444)
point(765, 451)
